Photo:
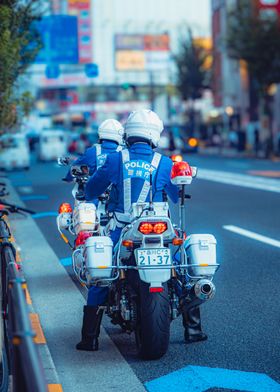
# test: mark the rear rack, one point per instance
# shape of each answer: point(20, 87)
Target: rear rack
point(151, 267)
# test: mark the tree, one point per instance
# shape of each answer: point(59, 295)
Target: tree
point(19, 44)
point(256, 40)
point(193, 75)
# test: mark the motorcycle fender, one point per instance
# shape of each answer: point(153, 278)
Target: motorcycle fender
point(155, 277)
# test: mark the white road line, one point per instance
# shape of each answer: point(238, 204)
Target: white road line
point(254, 236)
point(243, 180)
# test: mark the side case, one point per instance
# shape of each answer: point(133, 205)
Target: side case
point(200, 250)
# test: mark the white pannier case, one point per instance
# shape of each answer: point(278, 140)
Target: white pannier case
point(98, 256)
point(201, 249)
point(84, 217)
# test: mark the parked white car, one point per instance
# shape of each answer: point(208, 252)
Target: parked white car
point(52, 144)
point(14, 152)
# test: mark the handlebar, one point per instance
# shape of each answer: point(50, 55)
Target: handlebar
point(3, 190)
point(64, 161)
point(104, 197)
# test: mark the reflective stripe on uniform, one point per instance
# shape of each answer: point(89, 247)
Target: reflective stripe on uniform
point(98, 153)
point(146, 187)
point(127, 181)
point(126, 184)
point(98, 149)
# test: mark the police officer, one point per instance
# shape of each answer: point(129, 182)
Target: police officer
point(110, 133)
point(128, 172)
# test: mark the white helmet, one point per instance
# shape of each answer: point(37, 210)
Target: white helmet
point(144, 124)
point(111, 130)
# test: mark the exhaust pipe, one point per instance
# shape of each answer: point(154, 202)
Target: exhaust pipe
point(204, 289)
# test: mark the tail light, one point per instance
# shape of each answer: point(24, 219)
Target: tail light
point(82, 237)
point(156, 289)
point(152, 227)
point(181, 173)
point(160, 227)
point(64, 207)
point(145, 228)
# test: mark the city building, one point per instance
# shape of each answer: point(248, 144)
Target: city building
point(132, 43)
point(232, 94)
point(230, 80)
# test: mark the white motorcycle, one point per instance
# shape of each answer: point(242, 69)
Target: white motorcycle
point(156, 270)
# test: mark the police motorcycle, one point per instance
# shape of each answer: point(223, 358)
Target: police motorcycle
point(156, 271)
point(83, 221)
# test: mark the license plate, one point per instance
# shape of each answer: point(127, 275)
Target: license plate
point(147, 257)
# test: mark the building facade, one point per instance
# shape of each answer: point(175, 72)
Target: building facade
point(230, 82)
point(232, 93)
point(132, 43)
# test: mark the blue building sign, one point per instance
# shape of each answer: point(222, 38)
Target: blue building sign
point(91, 70)
point(59, 35)
point(52, 71)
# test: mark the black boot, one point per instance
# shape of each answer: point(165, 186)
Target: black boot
point(90, 329)
point(192, 325)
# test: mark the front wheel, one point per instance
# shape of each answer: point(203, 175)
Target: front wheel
point(153, 331)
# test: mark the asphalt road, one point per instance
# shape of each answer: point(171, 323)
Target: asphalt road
point(242, 321)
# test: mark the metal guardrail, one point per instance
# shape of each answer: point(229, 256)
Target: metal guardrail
point(24, 361)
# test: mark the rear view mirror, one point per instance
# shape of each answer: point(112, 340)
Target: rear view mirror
point(194, 171)
point(85, 169)
point(80, 170)
point(63, 161)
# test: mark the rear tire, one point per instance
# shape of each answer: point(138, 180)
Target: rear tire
point(152, 334)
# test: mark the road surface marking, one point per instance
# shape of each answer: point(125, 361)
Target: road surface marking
point(66, 261)
point(200, 379)
point(18, 258)
point(34, 197)
point(252, 235)
point(25, 189)
point(55, 388)
point(243, 180)
point(44, 214)
point(28, 297)
point(36, 326)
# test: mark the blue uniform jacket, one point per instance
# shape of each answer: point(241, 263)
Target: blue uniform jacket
point(112, 173)
point(89, 157)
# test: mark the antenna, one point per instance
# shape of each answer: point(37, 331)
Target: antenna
point(151, 189)
point(151, 184)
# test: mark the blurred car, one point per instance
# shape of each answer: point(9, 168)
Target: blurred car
point(14, 152)
point(175, 139)
point(190, 144)
point(52, 144)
